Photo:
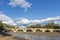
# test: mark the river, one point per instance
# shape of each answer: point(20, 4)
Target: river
point(35, 36)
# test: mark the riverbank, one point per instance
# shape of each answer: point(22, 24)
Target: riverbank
point(10, 38)
point(4, 36)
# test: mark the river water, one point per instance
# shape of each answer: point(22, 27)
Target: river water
point(36, 37)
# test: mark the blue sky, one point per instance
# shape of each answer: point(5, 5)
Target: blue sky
point(22, 12)
point(39, 9)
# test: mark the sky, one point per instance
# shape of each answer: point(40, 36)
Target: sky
point(30, 9)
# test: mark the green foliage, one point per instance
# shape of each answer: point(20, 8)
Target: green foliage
point(56, 26)
point(38, 25)
point(32, 26)
point(49, 25)
point(35, 26)
point(8, 26)
point(1, 26)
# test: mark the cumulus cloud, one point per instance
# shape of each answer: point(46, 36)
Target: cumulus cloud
point(22, 3)
point(27, 21)
point(51, 19)
point(24, 22)
point(5, 19)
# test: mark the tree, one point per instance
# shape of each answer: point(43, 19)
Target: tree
point(35, 26)
point(50, 25)
point(32, 26)
point(1, 26)
point(57, 26)
point(38, 26)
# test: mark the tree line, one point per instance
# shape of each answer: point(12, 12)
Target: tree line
point(3, 26)
point(49, 25)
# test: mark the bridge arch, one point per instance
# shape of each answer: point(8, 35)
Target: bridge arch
point(20, 30)
point(47, 30)
point(29, 30)
point(38, 30)
point(56, 30)
point(9, 31)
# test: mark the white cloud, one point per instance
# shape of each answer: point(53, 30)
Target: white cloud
point(5, 19)
point(22, 3)
point(24, 21)
point(27, 21)
point(51, 19)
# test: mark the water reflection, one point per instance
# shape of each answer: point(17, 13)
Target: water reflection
point(36, 37)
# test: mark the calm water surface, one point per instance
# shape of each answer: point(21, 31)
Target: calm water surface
point(36, 37)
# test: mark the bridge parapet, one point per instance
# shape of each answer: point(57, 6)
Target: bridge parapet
point(33, 29)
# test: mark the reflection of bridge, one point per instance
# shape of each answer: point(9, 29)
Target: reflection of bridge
point(33, 30)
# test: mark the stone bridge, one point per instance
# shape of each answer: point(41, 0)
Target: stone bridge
point(33, 30)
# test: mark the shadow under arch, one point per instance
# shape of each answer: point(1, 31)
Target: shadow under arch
point(56, 31)
point(8, 31)
point(29, 30)
point(38, 30)
point(47, 30)
point(20, 30)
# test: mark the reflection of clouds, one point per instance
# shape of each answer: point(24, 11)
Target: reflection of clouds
point(23, 36)
point(36, 37)
point(46, 37)
point(26, 36)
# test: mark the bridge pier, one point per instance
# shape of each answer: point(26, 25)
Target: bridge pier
point(24, 30)
point(43, 30)
point(51, 30)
